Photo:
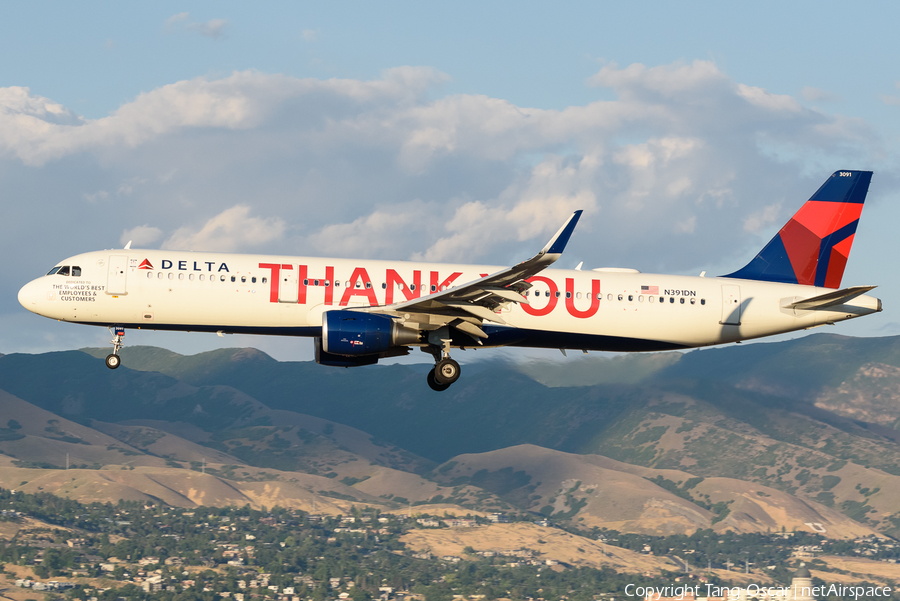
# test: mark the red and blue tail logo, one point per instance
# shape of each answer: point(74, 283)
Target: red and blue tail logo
point(813, 247)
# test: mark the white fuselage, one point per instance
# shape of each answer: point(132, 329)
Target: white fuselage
point(617, 310)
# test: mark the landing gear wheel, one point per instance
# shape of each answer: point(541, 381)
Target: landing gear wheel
point(446, 371)
point(113, 361)
point(434, 385)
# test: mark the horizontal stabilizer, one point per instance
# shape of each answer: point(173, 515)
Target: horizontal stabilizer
point(837, 297)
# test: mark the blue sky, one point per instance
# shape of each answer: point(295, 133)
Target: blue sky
point(699, 127)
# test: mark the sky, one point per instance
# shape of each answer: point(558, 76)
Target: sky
point(467, 132)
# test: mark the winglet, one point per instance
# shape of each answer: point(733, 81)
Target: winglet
point(558, 243)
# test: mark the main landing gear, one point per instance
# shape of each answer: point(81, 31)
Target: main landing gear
point(112, 360)
point(446, 371)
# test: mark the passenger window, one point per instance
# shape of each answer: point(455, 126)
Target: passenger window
point(411, 287)
point(681, 300)
point(557, 294)
point(599, 297)
point(327, 283)
point(53, 271)
point(662, 299)
point(222, 278)
point(202, 277)
point(693, 301)
point(384, 286)
point(630, 297)
point(315, 282)
point(568, 294)
point(651, 298)
point(253, 280)
point(180, 276)
point(159, 275)
point(620, 297)
point(265, 280)
point(433, 288)
point(233, 279)
point(702, 301)
point(76, 271)
point(243, 279)
point(641, 298)
point(149, 274)
point(63, 270)
point(547, 294)
point(671, 300)
point(172, 276)
point(191, 277)
point(609, 297)
point(368, 285)
point(305, 282)
point(358, 284)
point(577, 295)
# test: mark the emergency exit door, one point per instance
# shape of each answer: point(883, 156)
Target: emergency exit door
point(288, 287)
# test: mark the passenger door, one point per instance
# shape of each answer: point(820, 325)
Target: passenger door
point(117, 275)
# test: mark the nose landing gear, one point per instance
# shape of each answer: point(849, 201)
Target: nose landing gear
point(112, 360)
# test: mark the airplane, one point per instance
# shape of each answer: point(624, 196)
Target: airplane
point(360, 311)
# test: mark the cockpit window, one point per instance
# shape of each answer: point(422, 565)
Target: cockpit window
point(76, 271)
point(63, 270)
point(52, 271)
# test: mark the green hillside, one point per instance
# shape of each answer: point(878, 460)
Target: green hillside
point(785, 415)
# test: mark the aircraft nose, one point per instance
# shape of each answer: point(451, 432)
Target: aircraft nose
point(29, 296)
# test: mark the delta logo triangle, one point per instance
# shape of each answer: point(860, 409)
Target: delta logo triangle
point(145, 264)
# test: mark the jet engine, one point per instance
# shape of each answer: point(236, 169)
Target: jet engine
point(357, 334)
point(323, 358)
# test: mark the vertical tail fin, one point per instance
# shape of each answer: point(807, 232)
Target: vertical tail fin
point(813, 247)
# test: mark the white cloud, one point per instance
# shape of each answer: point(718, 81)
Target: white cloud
point(773, 103)
point(231, 230)
point(127, 187)
point(93, 197)
point(374, 234)
point(768, 215)
point(310, 35)
point(141, 236)
point(177, 18)
point(682, 165)
point(818, 95)
point(38, 130)
point(212, 28)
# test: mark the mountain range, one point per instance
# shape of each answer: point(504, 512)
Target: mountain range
point(752, 438)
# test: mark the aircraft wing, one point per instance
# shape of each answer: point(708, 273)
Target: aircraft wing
point(467, 306)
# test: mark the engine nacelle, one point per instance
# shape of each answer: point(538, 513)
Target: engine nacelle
point(323, 358)
point(354, 333)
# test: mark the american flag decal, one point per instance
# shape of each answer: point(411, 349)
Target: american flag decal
point(650, 289)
